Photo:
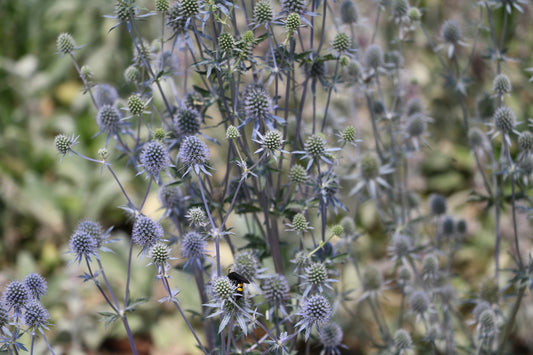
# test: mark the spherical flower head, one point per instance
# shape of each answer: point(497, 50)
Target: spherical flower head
point(316, 310)
point(344, 60)
point(263, 12)
point(341, 42)
point(272, 141)
point(348, 224)
point(87, 73)
point(94, 229)
point(36, 285)
point(64, 144)
point(501, 84)
point(248, 37)
point(193, 245)
point(437, 204)
point(65, 43)
point(476, 137)
point(448, 226)
point(349, 12)
point(451, 32)
point(330, 337)
point(160, 253)
point(369, 166)
point(298, 174)
point(489, 291)
point(316, 274)
point(232, 133)
point(196, 216)
point(416, 125)
point(413, 106)
point(226, 42)
point(15, 295)
point(257, 102)
point(132, 74)
point(371, 279)
point(315, 146)
point(108, 118)
point(316, 68)
point(222, 288)
point(246, 263)
point(292, 23)
point(299, 222)
point(275, 288)
point(135, 105)
point(294, 6)
point(35, 315)
point(83, 245)
point(401, 246)
point(504, 119)
point(525, 141)
point(190, 8)
point(419, 302)
point(414, 14)
point(188, 121)
point(404, 276)
point(125, 10)
point(402, 341)
point(154, 157)
point(400, 8)
point(354, 69)
point(430, 267)
point(162, 5)
point(487, 324)
point(175, 18)
point(486, 106)
point(337, 230)
point(193, 151)
point(461, 227)
point(146, 232)
point(373, 56)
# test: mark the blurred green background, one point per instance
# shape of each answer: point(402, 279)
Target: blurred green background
point(42, 199)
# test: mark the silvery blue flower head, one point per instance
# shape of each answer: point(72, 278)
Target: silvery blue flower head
point(258, 107)
point(154, 158)
point(146, 232)
point(83, 245)
point(315, 311)
point(15, 296)
point(194, 154)
point(36, 285)
point(36, 316)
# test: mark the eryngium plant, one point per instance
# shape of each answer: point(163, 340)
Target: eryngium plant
point(234, 110)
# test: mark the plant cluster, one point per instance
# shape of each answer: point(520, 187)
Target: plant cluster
point(231, 117)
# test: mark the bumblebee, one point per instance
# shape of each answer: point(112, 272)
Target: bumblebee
point(239, 281)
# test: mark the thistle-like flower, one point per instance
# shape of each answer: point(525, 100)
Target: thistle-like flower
point(330, 336)
point(36, 316)
point(371, 174)
point(193, 154)
point(316, 279)
point(315, 311)
point(154, 157)
point(193, 249)
point(36, 285)
point(146, 232)
point(270, 143)
point(315, 150)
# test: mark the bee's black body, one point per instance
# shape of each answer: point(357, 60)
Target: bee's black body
point(239, 281)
